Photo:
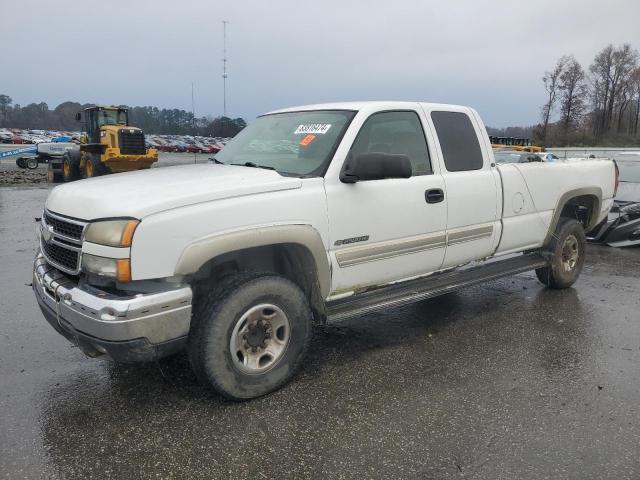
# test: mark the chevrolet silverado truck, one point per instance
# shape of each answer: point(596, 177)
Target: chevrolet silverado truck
point(310, 214)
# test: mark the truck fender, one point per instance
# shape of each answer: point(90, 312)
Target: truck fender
point(196, 254)
point(593, 192)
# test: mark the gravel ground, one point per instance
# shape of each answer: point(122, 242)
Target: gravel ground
point(506, 380)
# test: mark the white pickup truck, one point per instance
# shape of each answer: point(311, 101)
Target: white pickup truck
point(310, 213)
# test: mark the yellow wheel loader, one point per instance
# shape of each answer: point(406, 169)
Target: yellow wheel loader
point(518, 144)
point(108, 145)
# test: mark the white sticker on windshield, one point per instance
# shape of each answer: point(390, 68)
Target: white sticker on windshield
point(316, 128)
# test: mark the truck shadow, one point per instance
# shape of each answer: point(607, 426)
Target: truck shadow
point(438, 328)
point(438, 351)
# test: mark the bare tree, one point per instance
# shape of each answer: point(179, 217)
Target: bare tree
point(572, 91)
point(610, 71)
point(634, 119)
point(551, 80)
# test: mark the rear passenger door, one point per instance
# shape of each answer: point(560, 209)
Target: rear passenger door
point(472, 187)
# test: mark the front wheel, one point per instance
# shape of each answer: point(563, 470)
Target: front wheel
point(69, 168)
point(567, 255)
point(249, 334)
point(93, 167)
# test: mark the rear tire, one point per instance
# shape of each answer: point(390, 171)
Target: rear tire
point(52, 175)
point(567, 250)
point(20, 162)
point(249, 334)
point(31, 163)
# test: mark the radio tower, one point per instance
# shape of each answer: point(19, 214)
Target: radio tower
point(224, 67)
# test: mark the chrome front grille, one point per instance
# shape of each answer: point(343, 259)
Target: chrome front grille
point(67, 228)
point(61, 241)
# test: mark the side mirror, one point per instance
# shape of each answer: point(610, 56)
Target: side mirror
point(78, 117)
point(375, 166)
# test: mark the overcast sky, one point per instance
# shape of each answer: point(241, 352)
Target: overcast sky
point(487, 54)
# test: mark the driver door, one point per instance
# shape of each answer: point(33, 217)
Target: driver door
point(385, 230)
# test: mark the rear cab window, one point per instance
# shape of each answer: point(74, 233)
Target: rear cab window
point(458, 141)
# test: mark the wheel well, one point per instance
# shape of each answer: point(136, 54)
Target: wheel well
point(293, 261)
point(582, 208)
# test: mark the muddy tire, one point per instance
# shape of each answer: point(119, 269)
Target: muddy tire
point(69, 168)
point(249, 334)
point(567, 251)
point(93, 167)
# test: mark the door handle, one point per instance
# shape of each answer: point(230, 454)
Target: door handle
point(435, 195)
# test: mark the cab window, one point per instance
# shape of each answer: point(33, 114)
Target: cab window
point(398, 132)
point(458, 141)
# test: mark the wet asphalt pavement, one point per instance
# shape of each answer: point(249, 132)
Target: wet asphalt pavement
point(502, 381)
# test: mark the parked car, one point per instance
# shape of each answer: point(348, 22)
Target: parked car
point(548, 156)
point(515, 156)
point(621, 228)
point(367, 206)
point(5, 136)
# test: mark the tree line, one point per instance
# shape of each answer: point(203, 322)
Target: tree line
point(163, 121)
point(599, 105)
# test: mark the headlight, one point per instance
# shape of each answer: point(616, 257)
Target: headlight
point(118, 268)
point(114, 233)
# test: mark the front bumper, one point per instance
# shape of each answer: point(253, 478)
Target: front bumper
point(141, 327)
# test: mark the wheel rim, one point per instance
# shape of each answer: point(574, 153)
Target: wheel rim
point(259, 338)
point(570, 253)
point(66, 169)
point(89, 169)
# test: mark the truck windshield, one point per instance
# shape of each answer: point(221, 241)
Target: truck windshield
point(111, 117)
point(292, 143)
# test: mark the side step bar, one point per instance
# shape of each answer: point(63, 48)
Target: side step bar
point(411, 291)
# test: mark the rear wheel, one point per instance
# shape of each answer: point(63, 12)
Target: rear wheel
point(52, 175)
point(31, 163)
point(567, 255)
point(249, 334)
point(20, 162)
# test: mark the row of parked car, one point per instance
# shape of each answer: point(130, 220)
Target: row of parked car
point(186, 143)
point(163, 143)
point(19, 137)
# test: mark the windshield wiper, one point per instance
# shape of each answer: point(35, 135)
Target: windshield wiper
point(252, 165)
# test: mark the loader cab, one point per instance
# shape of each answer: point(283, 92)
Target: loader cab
point(97, 117)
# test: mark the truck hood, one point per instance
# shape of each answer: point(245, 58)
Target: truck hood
point(142, 193)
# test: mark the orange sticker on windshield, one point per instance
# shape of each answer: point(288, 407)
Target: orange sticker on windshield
point(307, 140)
